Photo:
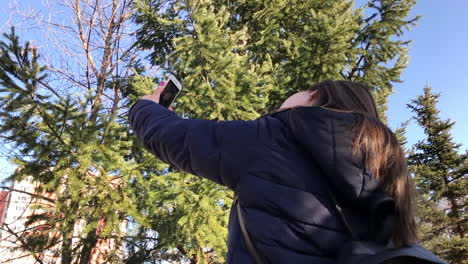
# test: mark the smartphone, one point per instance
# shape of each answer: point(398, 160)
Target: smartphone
point(172, 89)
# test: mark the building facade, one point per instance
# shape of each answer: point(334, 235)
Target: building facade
point(17, 205)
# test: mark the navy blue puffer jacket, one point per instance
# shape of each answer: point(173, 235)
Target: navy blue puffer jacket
point(278, 165)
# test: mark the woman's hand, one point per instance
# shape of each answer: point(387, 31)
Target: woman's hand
point(156, 94)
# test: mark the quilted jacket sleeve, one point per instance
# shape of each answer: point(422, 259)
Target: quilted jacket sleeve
point(216, 150)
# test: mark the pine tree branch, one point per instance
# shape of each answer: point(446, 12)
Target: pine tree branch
point(138, 257)
point(64, 121)
point(205, 72)
point(351, 74)
point(23, 67)
point(46, 121)
point(193, 258)
point(456, 178)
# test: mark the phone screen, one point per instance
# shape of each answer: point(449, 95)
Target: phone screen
point(169, 94)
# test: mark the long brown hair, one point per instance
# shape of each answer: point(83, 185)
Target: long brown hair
point(383, 155)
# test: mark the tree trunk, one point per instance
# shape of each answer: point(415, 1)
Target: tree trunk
point(67, 248)
point(88, 244)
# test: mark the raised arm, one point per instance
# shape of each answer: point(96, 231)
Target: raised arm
point(216, 150)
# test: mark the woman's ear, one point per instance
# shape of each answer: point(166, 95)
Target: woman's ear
point(314, 97)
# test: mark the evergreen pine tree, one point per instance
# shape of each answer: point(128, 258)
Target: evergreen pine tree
point(76, 148)
point(238, 60)
point(440, 172)
point(191, 215)
point(305, 41)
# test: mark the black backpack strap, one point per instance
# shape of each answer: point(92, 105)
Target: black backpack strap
point(342, 216)
point(248, 242)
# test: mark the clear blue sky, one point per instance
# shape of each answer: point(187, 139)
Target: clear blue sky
point(439, 56)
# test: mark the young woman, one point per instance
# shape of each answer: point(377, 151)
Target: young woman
point(281, 165)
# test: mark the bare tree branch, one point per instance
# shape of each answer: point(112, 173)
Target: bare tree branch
point(87, 46)
point(85, 43)
point(28, 193)
point(23, 243)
